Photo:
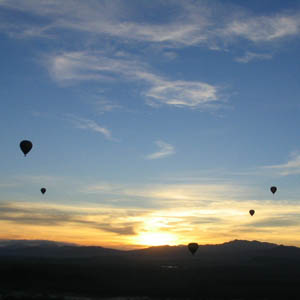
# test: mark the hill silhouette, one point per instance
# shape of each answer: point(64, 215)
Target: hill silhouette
point(233, 250)
point(237, 268)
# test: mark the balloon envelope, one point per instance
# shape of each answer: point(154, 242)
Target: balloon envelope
point(251, 212)
point(43, 190)
point(273, 189)
point(193, 247)
point(25, 146)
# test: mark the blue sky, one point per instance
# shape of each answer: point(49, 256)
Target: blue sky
point(163, 114)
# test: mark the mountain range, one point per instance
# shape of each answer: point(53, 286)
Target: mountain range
point(237, 268)
point(236, 251)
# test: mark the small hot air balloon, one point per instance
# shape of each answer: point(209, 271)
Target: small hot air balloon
point(25, 146)
point(273, 189)
point(193, 247)
point(43, 190)
point(251, 212)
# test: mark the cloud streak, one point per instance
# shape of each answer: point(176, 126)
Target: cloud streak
point(72, 67)
point(292, 167)
point(89, 125)
point(250, 56)
point(264, 28)
point(278, 222)
point(190, 219)
point(164, 150)
point(174, 194)
point(43, 216)
point(190, 23)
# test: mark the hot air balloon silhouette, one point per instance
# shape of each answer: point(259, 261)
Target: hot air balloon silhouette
point(43, 190)
point(273, 189)
point(251, 212)
point(25, 146)
point(193, 247)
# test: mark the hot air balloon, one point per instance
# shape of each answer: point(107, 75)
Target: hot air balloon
point(193, 247)
point(25, 146)
point(43, 190)
point(273, 189)
point(251, 212)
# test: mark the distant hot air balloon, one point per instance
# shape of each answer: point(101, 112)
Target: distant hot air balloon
point(25, 146)
point(273, 189)
point(43, 190)
point(193, 247)
point(251, 212)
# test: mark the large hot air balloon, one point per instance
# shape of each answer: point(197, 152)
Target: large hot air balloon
point(193, 247)
point(273, 189)
point(25, 146)
point(43, 190)
point(251, 212)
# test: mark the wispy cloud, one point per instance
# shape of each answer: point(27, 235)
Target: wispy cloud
point(204, 23)
point(106, 106)
point(289, 168)
point(190, 218)
point(68, 67)
point(278, 222)
point(164, 150)
point(88, 125)
point(33, 214)
point(80, 66)
point(25, 31)
point(264, 28)
point(21, 180)
point(117, 20)
point(249, 56)
point(182, 93)
point(174, 194)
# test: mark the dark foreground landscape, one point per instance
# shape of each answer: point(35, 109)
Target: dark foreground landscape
point(234, 270)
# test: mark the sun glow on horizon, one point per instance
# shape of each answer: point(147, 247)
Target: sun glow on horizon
point(156, 239)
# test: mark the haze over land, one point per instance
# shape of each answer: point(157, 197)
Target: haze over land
point(152, 122)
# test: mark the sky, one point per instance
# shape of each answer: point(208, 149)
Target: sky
point(152, 122)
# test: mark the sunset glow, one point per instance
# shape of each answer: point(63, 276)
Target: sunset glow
point(151, 122)
point(156, 239)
